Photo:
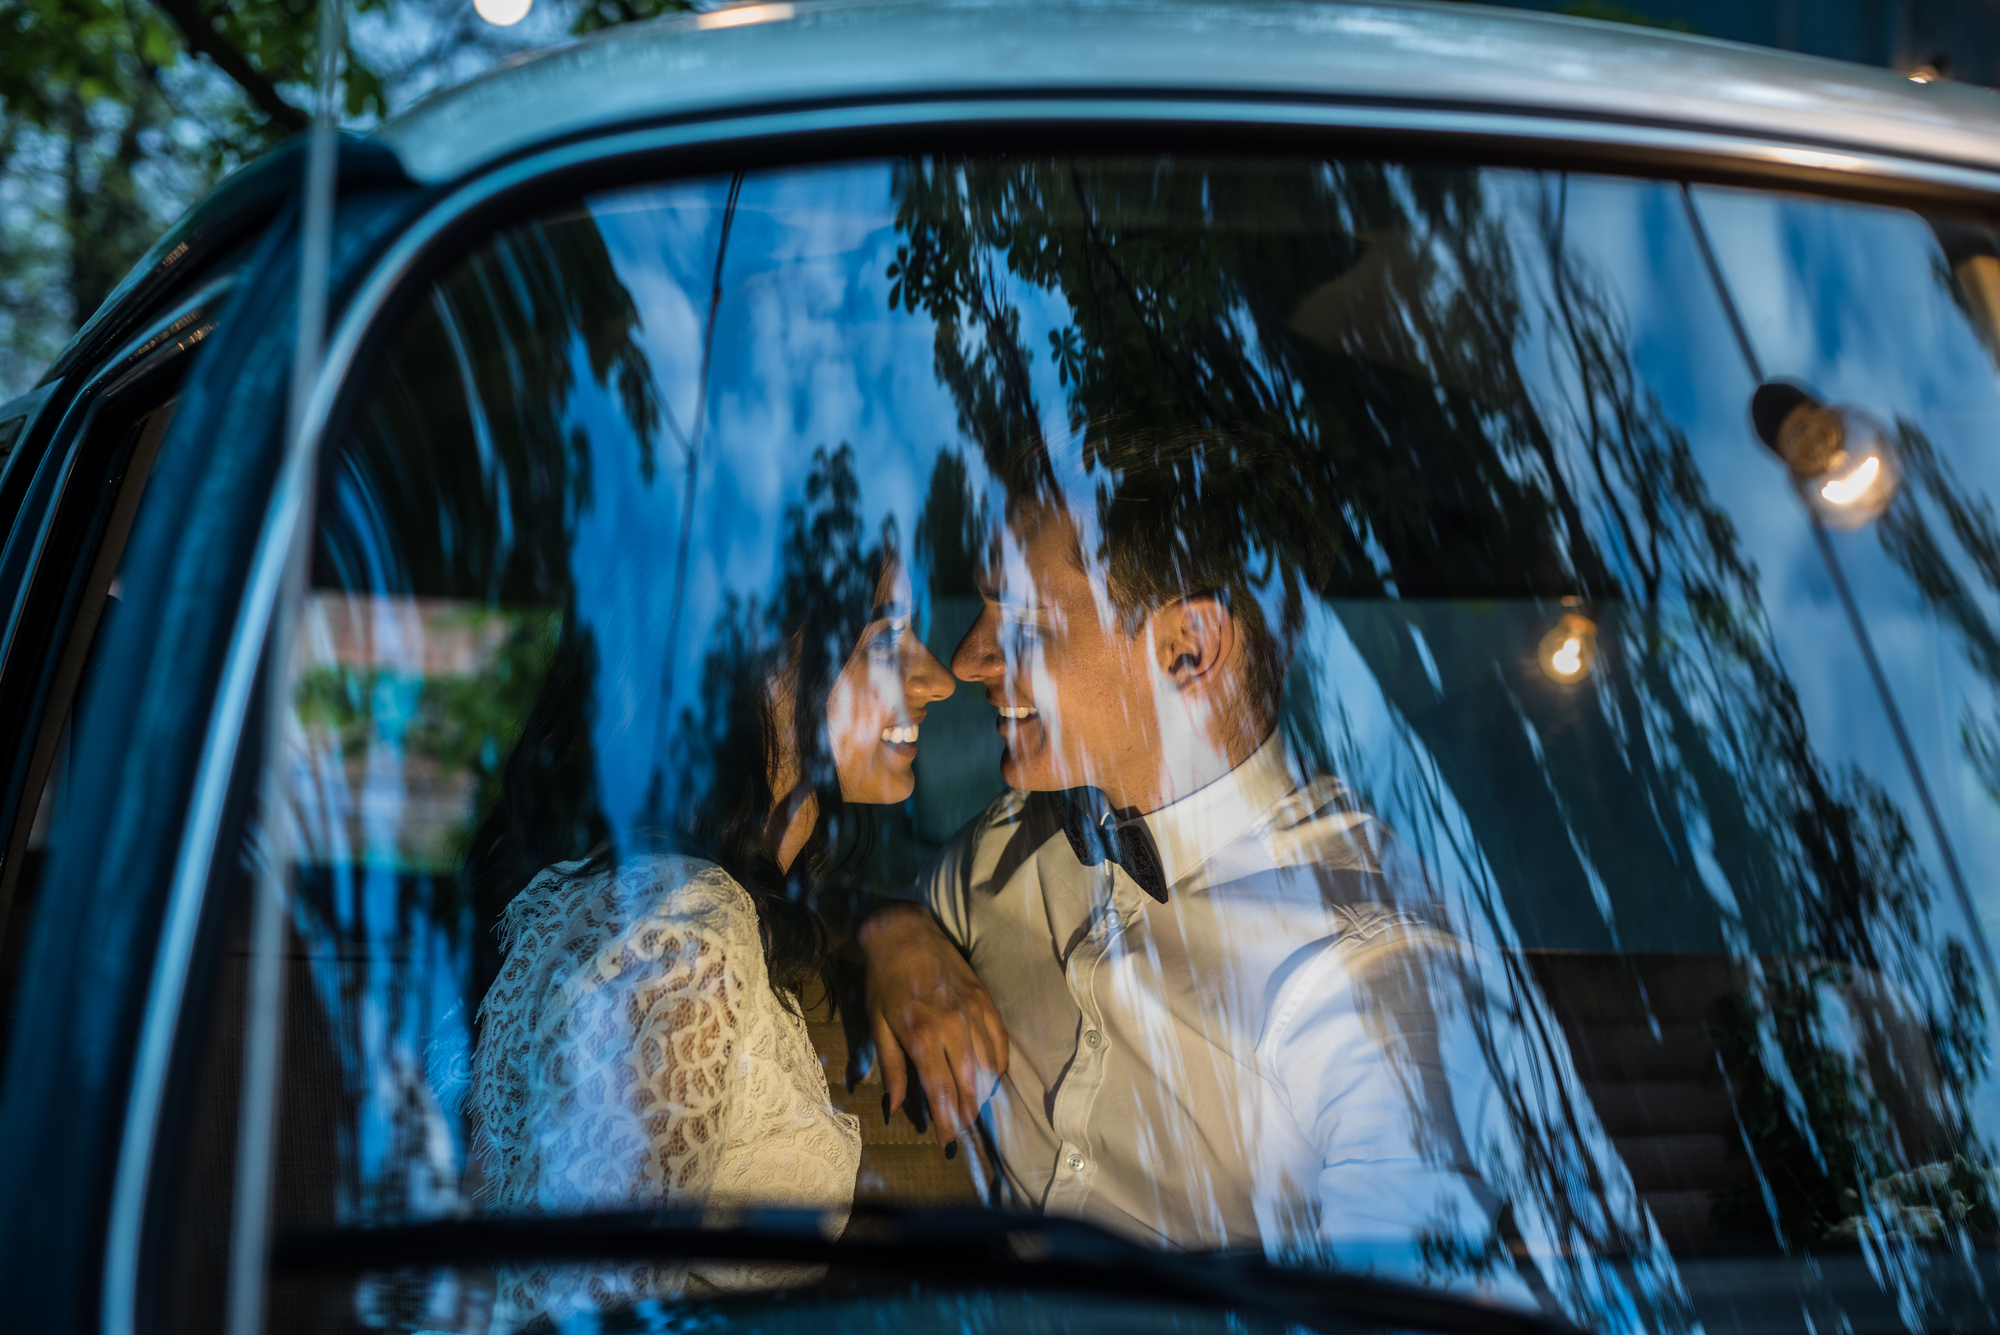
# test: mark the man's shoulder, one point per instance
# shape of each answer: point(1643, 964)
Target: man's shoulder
point(988, 849)
point(1317, 824)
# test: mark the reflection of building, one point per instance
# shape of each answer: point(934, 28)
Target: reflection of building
point(1959, 38)
point(382, 670)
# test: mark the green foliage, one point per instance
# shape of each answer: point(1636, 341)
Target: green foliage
point(1811, 1121)
point(1610, 13)
point(108, 129)
point(595, 15)
point(59, 54)
point(84, 88)
point(115, 115)
point(1817, 1124)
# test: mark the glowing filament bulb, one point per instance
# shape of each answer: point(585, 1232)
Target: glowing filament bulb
point(1568, 651)
point(1847, 490)
point(1568, 660)
point(503, 13)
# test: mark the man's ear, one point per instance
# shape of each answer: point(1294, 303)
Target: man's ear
point(1193, 638)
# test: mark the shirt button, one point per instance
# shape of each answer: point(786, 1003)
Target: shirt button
point(1092, 1039)
point(1075, 1162)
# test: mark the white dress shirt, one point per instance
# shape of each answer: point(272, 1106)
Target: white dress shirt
point(1252, 1063)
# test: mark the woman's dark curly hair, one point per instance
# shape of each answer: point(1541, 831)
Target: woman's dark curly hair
point(717, 804)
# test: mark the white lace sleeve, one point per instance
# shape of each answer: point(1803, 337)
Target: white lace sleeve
point(608, 1068)
point(619, 1011)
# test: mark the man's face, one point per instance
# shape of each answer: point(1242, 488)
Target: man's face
point(1076, 694)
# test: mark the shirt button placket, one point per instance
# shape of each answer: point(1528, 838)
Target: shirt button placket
point(1075, 1101)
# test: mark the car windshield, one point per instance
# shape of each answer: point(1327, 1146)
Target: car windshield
point(1426, 722)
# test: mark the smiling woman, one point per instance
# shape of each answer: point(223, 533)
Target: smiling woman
point(878, 702)
point(1390, 807)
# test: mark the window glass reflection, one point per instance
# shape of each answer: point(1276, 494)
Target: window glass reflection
point(1275, 708)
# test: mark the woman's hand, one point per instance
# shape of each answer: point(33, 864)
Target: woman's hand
point(925, 1001)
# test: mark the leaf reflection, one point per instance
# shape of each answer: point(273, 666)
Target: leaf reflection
point(1367, 324)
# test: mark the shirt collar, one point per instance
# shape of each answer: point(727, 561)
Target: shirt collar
point(1189, 831)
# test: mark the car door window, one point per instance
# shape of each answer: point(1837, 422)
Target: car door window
point(1322, 640)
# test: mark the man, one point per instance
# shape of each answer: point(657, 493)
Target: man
point(1203, 1010)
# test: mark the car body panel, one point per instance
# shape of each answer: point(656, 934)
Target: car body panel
point(89, 976)
point(1414, 55)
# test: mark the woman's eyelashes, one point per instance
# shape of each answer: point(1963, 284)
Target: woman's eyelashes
point(885, 642)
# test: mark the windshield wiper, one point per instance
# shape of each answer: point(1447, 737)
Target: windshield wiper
point(942, 1249)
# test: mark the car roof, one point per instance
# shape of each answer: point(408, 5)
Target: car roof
point(1428, 55)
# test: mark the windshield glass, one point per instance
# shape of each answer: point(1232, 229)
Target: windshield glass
point(1304, 708)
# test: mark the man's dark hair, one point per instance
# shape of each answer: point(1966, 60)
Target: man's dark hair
point(1200, 512)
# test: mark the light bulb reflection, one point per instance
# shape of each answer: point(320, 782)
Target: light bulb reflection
point(1569, 651)
point(742, 16)
point(1847, 490)
point(1842, 461)
point(503, 13)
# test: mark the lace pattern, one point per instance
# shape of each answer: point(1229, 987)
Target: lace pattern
point(632, 1054)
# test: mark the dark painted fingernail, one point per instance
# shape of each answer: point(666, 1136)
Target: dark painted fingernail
point(885, 1109)
point(951, 1150)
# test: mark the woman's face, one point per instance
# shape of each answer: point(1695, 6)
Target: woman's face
point(879, 698)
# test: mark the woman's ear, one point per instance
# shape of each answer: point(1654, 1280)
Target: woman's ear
point(1193, 638)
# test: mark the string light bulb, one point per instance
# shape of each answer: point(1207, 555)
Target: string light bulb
point(1569, 651)
point(1840, 458)
point(503, 13)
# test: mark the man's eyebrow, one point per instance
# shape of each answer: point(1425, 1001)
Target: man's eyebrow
point(1028, 604)
point(1023, 606)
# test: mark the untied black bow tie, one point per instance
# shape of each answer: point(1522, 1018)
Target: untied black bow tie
point(1096, 835)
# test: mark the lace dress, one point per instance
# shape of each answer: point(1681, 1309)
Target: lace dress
point(632, 1053)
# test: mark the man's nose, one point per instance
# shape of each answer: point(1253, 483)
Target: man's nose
point(978, 657)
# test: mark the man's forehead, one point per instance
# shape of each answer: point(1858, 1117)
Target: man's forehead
point(1037, 554)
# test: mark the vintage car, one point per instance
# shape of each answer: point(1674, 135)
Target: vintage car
point(1446, 561)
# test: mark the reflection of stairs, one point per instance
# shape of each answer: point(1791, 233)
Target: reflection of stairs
point(1638, 1032)
point(898, 1164)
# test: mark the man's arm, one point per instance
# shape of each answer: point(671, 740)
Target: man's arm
point(1379, 1089)
point(928, 1009)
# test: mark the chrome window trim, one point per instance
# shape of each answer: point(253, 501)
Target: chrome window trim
point(1472, 130)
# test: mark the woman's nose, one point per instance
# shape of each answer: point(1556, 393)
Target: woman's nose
point(927, 680)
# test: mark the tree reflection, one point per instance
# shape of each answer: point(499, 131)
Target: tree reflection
point(805, 628)
point(461, 478)
point(1365, 325)
point(466, 468)
point(1662, 854)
